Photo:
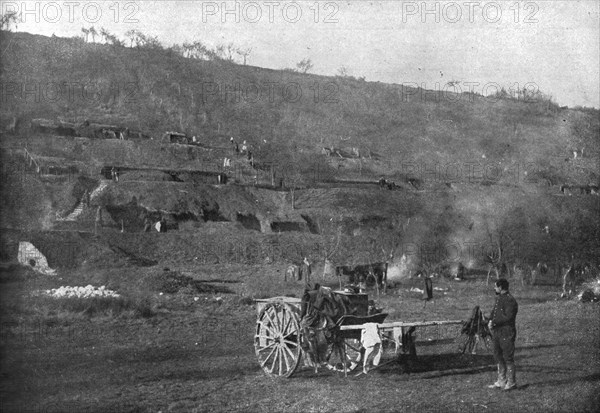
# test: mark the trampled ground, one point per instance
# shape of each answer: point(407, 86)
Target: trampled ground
point(196, 353)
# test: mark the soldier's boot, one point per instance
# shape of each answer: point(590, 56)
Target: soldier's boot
point(511, 382)
point(501, 382)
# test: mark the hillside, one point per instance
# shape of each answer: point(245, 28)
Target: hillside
point(468, 168)
point(158, 90)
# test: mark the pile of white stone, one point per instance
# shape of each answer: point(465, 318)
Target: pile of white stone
point(88, 291)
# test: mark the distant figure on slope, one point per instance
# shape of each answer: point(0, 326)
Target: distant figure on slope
point(306, 271)
point(460, 273)
point(98, 222)
point(234, 145)
point(362, 285)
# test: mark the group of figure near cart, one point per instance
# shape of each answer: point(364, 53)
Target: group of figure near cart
point(341, 330)
point(337, 330)
point(291, 329)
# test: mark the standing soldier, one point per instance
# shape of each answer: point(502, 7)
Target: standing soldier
point(362, 285)
point(147, 224)
point(98, 223)
point(306, 271)
point(460, 273)
point(504, 333)
point(86, 198)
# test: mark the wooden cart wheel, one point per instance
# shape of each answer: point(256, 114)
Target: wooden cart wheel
point(277, 340)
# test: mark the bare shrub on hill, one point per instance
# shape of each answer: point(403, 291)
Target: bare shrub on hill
point(304, 65)
point(8, 20)
point(538, 103)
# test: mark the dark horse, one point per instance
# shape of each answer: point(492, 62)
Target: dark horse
point(322, 313)
point(373, 273)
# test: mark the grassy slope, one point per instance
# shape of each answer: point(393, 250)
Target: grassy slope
point(529, 142)
point(171, 92)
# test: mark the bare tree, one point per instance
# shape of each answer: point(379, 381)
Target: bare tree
point(304, 65)
point(177, 49)
point(198, 50)
point(201, 51)
point(225, 52)
point(343, 71)
point(151, 42)
point(140, 39)
point(244, 53)
point(94, 33)
point(8, 19)
point(131, 35)
point(231, 50)
point(332, 233)
point(501, 254)
point(105, 34)
point(115, 40)
point(86, 33)
point(187, 49)
point(294, 178)
point(219, 51)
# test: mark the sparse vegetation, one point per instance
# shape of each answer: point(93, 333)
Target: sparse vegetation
point(305, 65)
point(8, 20)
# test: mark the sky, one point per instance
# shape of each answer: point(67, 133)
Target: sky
point(551, 46)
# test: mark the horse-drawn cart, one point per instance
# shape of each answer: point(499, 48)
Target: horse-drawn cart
point(284, 338)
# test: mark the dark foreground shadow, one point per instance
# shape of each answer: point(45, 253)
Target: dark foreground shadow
point(439, 364)
point(591, 378)
point(540, 346)
point(133, 259)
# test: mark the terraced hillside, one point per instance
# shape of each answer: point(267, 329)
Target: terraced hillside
point(467, 169)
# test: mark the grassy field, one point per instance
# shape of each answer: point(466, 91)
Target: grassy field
point(188, 350)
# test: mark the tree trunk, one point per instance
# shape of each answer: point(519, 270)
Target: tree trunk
point(272, 176)
point(566, 282)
